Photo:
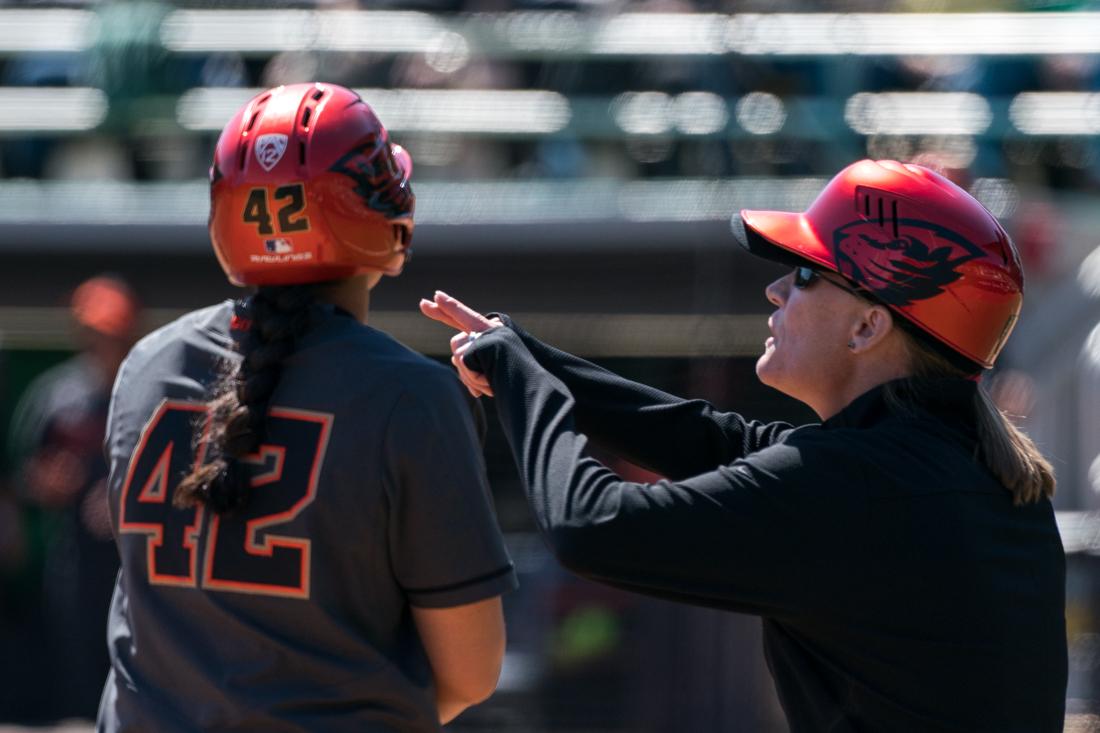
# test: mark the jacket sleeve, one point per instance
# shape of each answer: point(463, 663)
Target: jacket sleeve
point(669, 435)
point(750, 536)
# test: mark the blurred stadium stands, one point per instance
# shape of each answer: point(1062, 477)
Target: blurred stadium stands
point(577, 164)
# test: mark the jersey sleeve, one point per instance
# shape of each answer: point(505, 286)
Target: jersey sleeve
point(127, 414)
point(669, 435)
point(445, 544)
point(758, 535)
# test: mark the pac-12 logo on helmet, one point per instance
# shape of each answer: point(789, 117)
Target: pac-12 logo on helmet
point(905, 267)
point(270, 149)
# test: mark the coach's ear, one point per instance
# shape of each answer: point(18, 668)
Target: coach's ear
point(871, 328)
point(465, 646)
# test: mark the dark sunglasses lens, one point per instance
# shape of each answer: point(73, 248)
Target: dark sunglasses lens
point(803, 276)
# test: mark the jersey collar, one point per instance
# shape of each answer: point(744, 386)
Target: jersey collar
point(948, 399)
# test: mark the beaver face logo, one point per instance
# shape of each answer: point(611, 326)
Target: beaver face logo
point(917, 262)
point(377, 179)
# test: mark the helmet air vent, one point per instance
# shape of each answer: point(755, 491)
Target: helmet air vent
point(256, 109)
point(871, 205)
point(305, 118)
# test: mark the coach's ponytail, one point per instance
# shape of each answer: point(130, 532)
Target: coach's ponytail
point(1008, 453)
point(269, 324)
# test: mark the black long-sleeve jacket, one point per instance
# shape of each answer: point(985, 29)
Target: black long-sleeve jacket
point(900, 589)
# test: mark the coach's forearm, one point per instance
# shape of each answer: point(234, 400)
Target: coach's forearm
point(658, 538)
point(565, 487)
point(669, 435)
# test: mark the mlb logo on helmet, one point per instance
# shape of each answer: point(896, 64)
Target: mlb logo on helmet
point(269, 149)
point(278, 246)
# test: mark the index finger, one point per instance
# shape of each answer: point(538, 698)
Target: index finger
point(467, 318)
point(432, 310)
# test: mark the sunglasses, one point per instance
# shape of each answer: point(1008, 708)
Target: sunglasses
point(804, 277)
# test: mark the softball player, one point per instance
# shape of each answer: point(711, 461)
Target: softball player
point(903, 553)
point(298, 500)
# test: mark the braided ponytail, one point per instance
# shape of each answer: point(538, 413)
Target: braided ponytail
point(278, 316)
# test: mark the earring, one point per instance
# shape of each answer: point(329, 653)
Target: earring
point(851, 344)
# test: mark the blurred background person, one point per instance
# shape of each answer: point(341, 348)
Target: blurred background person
point(56, 448)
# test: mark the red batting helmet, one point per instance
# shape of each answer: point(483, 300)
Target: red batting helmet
point(306, 186)
point(911, 240)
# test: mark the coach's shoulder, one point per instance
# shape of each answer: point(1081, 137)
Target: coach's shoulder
point(811, 457)
point(815, 443)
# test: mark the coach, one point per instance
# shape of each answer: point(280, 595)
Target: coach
point(903, 553)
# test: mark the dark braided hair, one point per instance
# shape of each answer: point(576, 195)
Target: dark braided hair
point(273, 320)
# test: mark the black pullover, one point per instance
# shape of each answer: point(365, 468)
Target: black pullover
point(900, 589)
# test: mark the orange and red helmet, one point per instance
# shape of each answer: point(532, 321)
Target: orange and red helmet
point(306, 186)
point(911, 240)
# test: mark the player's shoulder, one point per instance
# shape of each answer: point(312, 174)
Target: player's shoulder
point(365, 362)
point(422, 379)
point(211, 322)
point(376, 350)
point(174, 346)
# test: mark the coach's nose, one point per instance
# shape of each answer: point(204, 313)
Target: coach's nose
point(778, 290)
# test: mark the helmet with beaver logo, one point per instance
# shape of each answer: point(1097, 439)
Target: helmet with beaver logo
point(912, 240)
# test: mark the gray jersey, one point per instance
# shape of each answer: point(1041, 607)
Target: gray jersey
point(369, 497)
